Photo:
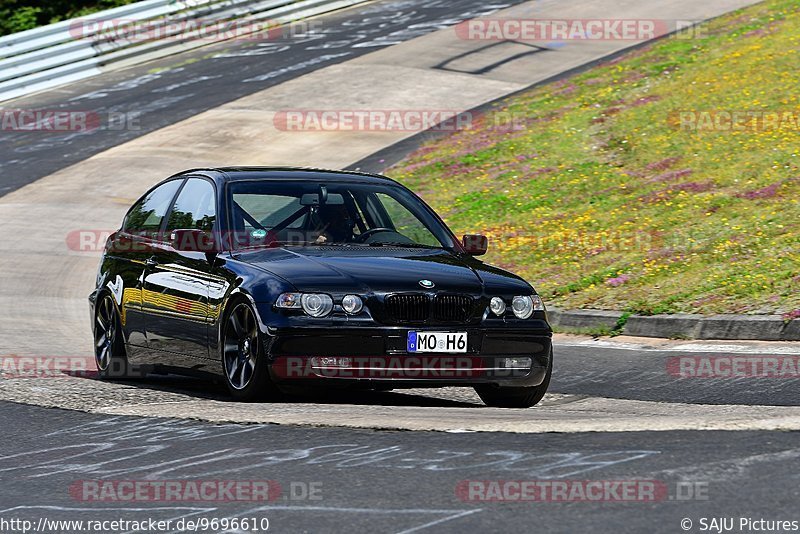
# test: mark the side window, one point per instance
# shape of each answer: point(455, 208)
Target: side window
point(195, 207)
point(146, 215)
point(269, 210)
point(406, 222)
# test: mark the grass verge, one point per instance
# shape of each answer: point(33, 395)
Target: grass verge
point(602, 195)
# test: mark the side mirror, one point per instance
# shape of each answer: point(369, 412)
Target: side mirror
point(475, 244)
point(190, 240)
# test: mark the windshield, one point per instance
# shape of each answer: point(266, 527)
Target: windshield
point(270, 213)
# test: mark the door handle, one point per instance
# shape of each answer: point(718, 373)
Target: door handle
point(151, 262)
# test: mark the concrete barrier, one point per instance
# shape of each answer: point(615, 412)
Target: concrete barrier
point(682, 325)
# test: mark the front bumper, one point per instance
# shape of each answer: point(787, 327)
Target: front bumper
point(378, 355)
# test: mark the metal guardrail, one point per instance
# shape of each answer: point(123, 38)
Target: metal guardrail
point(71, 50)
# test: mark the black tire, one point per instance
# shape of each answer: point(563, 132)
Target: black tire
point(109, 347)
point(243, 361)
point(510, 397)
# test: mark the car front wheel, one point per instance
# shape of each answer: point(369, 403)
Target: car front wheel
point(109, 348)
point(511, 397)
point(246, 373)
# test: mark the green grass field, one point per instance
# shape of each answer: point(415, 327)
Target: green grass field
point(20, 15)
point(598, 196)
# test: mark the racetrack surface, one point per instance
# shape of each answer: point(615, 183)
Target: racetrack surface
point(389, 482)
point(597, 386)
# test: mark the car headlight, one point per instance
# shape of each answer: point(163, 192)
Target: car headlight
point(524, 306)
point(288, 301)
point(352, 304)
point(316, 304)
point(498, 306)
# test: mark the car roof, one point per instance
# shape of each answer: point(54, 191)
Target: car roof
point(233, 174)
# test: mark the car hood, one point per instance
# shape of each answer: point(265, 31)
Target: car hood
point(380, 269)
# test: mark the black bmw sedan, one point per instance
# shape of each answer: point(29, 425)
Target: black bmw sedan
point(270, 277)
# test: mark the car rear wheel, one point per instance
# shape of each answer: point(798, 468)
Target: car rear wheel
point(243, 361)
point(511, 397)
point(109, 348)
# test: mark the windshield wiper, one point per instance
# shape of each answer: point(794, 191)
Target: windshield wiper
point(307, 244)
point(403, 245)
point(276, 244)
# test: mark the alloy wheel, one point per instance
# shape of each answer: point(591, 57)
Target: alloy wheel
point(105, 334)
point(241, 346)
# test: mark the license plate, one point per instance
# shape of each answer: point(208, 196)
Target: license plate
point(450, 342)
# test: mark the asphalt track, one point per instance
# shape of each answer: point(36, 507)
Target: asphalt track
point(336, 479)
point(597, 386)
point(392, 482)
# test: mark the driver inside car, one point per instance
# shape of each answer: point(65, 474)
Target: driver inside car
point(336, 225)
